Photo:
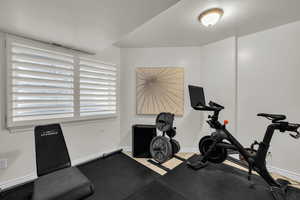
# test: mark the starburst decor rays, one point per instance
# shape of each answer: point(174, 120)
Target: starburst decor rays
point(159, 89)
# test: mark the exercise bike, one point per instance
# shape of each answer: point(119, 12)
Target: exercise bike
point(214, 148)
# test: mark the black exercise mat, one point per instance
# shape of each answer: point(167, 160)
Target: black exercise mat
point(23, 192)
point(219, 182)
point(117, 177)
point(156, 190)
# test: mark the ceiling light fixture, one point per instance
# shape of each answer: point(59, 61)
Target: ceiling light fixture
point(211, 16)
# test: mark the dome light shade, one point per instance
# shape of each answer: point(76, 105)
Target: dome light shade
point(211, 16)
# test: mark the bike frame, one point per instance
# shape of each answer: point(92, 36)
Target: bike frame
point(224, 140)
point(258, 161)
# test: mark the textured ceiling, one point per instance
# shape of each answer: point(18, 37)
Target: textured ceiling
point(87, 24)
point(178, 26)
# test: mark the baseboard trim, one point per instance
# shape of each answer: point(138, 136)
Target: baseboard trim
point(92, 157)
point(183, 149)
point(189, 150)
point(86, 159)
point(18, 181)
point(286, 173)
point(282, 172)
point(126, 148)
point(32, 176)
point(5, 185)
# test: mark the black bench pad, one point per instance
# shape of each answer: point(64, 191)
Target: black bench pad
point(64, 184)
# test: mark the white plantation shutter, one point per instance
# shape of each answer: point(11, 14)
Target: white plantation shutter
point(41, 84)
point(98, 82)
point(46, 84)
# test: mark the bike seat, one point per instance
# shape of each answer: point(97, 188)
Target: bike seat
point(273, 117)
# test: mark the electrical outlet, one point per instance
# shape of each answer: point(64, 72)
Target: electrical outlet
point(3, 163)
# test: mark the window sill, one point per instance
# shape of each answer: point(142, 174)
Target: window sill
point(65, 123)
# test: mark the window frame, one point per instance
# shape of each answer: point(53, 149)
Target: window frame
point(9, 39)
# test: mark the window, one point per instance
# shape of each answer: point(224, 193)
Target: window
point(97, 88)
point(47, 85)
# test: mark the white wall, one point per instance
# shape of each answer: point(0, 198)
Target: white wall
point(84, 139)
point(268, 81)
point(211, 66)
point(268, 71)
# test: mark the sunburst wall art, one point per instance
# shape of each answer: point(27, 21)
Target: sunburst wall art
point(159, 89)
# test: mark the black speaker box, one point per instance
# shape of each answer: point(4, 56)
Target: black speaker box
point(141, 138)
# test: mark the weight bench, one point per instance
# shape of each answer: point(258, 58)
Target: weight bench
point(57, 180)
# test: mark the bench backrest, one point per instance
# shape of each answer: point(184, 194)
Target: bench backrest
point(51, 149)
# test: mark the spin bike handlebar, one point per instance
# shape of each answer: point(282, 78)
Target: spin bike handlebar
point(212, 107)
point(293, 128)
point(282, 126)
point(290, 127)
point(215, 106)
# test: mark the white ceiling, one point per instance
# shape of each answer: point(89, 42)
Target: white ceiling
point(178, 26)
point(86, 24)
